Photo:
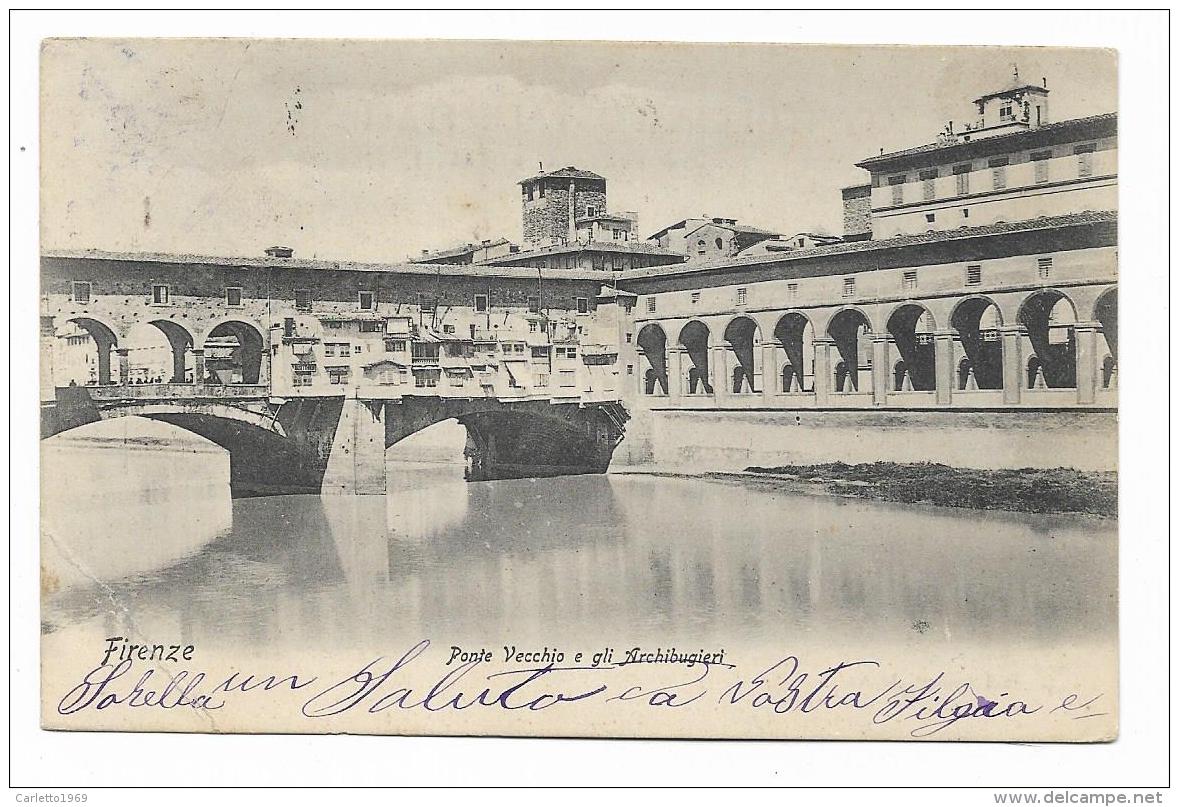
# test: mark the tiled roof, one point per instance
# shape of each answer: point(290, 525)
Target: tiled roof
point(740, 229)
point(461, 249)
point(626, 247)
point(847, 247)
point(439, 269)
point(568, 172)
point(997, 141)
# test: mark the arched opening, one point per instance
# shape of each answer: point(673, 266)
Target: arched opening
point(158, 352)
point(744, 343)
point(652, 343)
point(83, 353)
point(694, 338)
point(850, 330)
point(978, 348)
point(1106, 313)
point(1048, 318)
point(797, 337)
point(233, 354)
point(180, 346)
point(910, 329)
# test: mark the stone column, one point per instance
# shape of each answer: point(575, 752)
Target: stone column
point(124, 364)
point(198, 366)
point(771, 371)
point(1013, 379)
point(823, 380)
point(1088, 367)
point(718, 369)
point(675, 373)
point(943, 367)
point(879, 370)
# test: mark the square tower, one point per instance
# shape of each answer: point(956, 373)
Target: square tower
point(553, 202)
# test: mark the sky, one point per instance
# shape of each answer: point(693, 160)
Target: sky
point(375, 150)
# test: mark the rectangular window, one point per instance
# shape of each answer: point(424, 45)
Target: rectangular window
point(341, 349)
point(534, 305)
point(1041, 158)
point(650, 305)
point(448, 329)
point(792, 291)
point(973, 275)
point(1084, 155)
point(233, 296)
point(962, 178)
point(481, 303)
point(302, 299)
point(540, 186)
point(998, 166)
point(288, 326)
point(1044, 266)
point(367, 326)
point(533, 327)
point(366, 300)
point(930, 217)
point(395, 345)
point(333, 324)
point(616, 263)
point(694, 297)
point(742, 296)
point(338, 375)
point(1005, 112)
point(303, 379)
point(898, 189)
point(849, 287)
point(567, 378)
point(909, 279)
point(159, 294)
point(582, 305)
point(426, 304)
point(591, 210)
point(929, 184)
point(80, 290)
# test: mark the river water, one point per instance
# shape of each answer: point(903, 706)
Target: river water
point(616, 558)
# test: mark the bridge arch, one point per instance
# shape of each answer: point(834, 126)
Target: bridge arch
point(695, 339)
point(795, 332)
point(652, 344)
point(234, 352)
point(978, 350)
point(911, 326)
point(1049, 319)
point(743, 337)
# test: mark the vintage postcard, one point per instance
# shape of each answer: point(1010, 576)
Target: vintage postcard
point(579, 389)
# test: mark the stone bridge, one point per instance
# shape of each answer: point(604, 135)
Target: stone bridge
point(337, 445)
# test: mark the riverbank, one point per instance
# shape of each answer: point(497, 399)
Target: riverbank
point(1027, 490)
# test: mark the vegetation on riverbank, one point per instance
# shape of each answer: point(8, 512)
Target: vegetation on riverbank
point(1030, 490)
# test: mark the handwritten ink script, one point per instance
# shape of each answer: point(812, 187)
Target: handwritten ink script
point(459, 680)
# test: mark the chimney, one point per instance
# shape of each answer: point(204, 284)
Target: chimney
point(280, 252)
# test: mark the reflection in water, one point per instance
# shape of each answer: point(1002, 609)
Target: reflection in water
point(621, 558)
point(128, 496)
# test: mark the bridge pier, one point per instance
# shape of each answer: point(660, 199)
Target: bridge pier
point(356, 464)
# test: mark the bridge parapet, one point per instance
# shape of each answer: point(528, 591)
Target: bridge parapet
point(177, 392)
